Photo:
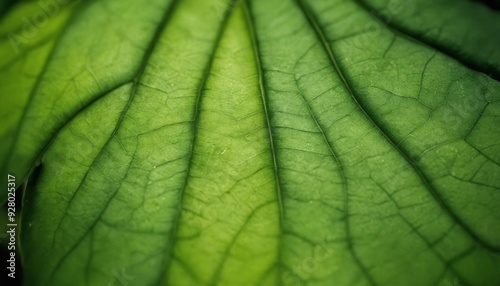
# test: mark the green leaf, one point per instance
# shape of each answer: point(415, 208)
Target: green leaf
point(261, 142)
point(28, 34)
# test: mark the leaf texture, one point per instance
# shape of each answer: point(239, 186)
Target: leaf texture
point(262, 142)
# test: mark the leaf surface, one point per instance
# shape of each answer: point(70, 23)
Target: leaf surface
point(266, 142)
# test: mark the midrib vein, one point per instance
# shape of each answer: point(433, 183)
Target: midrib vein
point(252, 33)
point(326, 47)
point(201, 89)
point(345, 192)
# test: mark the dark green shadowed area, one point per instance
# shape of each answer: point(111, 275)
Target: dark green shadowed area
point(258, 142)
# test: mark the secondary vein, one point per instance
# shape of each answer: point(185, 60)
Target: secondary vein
point(320, 34)
point(279, 192)
point(201, 89)
point(133, 91)
point(488, 69)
